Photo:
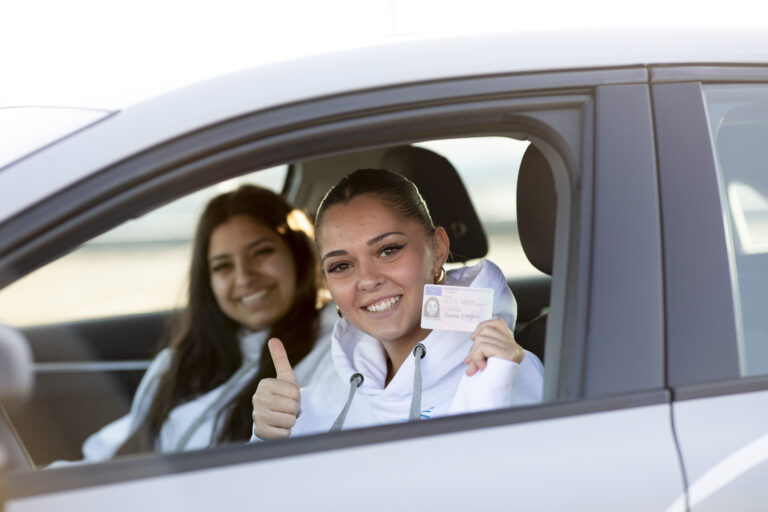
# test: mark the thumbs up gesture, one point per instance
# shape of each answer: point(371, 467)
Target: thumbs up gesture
point(276, 401)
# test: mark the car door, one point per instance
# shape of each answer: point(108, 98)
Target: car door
point(601, 440)
point(712, 126)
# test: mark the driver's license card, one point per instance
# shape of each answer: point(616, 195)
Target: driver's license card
point(455, 308)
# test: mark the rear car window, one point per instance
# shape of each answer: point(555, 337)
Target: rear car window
point(738, 117)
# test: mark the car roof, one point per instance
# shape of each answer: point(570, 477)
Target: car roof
point(414, 60)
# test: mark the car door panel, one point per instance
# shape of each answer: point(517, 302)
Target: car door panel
point(536, 464)
point(592, 454)
point(724, 443)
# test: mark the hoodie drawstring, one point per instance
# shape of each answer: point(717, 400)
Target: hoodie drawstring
point(354, 382)
point(419, 351)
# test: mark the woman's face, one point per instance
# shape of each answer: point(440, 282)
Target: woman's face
point(252, 272)
point(376, 264)
point(431, 307)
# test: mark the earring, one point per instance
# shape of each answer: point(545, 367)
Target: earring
point(439, 277)
point(338, 312)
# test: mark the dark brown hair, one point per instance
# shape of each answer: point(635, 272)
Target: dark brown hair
point(206, 352)
point(397, 191)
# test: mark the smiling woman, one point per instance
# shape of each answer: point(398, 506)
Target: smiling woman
point(252, 272)
point(379, 247)
point(252, 275)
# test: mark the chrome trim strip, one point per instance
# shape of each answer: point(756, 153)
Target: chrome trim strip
point(88, 366)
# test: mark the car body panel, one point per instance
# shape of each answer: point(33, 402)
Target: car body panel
point(26, 129)
point(497, 468)
point(724, 444)
point(171, 115)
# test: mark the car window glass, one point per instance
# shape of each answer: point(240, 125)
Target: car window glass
point(139, 266)
point(738, 116)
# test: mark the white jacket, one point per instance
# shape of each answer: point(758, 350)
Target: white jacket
point(445, 387)
point(191, 425)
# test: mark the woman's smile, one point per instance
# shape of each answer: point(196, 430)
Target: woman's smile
point(381, 305)
point(254, 298)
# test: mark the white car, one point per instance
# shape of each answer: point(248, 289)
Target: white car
point(643, 192)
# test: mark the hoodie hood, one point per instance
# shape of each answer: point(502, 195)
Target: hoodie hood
point(355, 352)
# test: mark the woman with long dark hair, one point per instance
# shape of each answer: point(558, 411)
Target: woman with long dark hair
point(254, 275)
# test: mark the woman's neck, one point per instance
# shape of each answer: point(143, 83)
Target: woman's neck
point(398, 351)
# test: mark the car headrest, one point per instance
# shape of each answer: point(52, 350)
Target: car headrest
point(445, 195)
point(536, 209)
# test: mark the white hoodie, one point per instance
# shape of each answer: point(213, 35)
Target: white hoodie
point(445, 389)
point(192, 425)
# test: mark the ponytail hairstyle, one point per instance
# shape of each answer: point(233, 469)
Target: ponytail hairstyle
point(395, 190)
point(205, 352)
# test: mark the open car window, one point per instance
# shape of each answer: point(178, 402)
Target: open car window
point(98, 315)
point(138, 267)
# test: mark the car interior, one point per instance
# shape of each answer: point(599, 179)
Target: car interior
point(88, 368)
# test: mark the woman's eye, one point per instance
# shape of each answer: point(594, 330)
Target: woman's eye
point(262, 251)
point(219, 267)
point(337, 267)
point(391, 250)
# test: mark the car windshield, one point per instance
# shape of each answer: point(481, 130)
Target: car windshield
point(26, 129)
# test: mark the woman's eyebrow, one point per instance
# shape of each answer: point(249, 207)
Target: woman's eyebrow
point(256, 242)
point(383, 236)
point(372, 241)
point(248, 247)
point(334, 253)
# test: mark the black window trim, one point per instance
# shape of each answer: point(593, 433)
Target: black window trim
point(694, 241)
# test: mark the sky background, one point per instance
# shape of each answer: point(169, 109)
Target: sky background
point(108, 54)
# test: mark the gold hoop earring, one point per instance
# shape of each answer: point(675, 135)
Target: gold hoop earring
point(338, 312)
point(439, 277)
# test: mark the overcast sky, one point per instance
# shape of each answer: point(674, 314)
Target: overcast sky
point(110, 53)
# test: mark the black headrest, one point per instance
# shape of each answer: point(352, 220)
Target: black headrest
point(536, 209)
point(445, 195)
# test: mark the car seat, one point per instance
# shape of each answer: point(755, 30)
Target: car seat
point(536, 215)
point(449, 204)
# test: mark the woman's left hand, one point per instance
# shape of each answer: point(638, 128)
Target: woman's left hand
point(492, 338)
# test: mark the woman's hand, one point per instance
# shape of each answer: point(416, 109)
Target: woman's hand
point(276, 401)
point(492, 338)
